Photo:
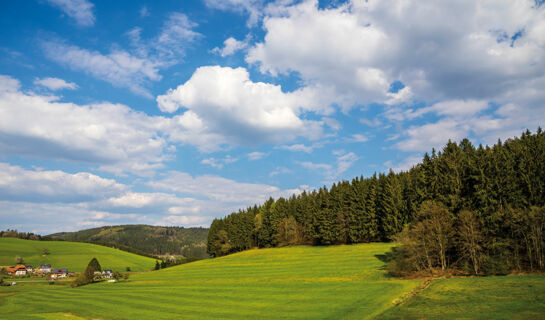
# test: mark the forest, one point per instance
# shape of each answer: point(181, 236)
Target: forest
point(147, 240)
point(478, 210)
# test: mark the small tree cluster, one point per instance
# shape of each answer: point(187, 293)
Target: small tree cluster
point(438, 240)
point(87, 276)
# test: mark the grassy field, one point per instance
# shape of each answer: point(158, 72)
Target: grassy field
point(341, 282)
point(71, 255)
point(337, 282)
point(477, 298)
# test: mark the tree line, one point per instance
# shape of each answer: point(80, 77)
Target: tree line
point(484, 205)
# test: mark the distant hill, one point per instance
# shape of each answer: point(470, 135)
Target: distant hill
point(153, 240)
point(71, 255)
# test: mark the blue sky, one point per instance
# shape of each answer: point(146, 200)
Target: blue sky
point(176, 112)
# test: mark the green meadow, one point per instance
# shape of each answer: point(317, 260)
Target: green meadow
point(511, 297)
point(71, 255)
point(335, 282)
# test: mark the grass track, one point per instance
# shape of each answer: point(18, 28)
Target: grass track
point(71, 255)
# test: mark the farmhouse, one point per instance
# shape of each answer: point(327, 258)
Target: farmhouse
point(29, 268)
point(59, 273)
point(18, 270)
point(107, 274)
point(44, 268)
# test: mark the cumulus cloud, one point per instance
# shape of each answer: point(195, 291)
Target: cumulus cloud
point(113, 136)
point(420, 44)
point(55, 84)
point(230, 47)
point(17, 183)
point(225, 105)
point(79, 10)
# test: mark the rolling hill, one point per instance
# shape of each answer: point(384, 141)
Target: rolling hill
point(154, 240)
point(71, 255)
point(336, 282)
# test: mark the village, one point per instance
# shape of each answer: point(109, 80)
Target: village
point(46, 270)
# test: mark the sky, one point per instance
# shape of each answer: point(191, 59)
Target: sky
point(177, 112)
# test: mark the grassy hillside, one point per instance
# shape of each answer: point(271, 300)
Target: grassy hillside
point(477, 298)
point(71, 255)
point(190, 242)
point(337, 282)
point(287, 283)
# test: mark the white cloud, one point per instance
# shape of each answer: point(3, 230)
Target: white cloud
point(176, 34)
point(226, 191)
point(46, 218)
point(114, 136)
point(424, 137)
point(119, 67)
point(160, 204)
point(256, 155)
point(219, 163)
point(464, 50)
point(279, 170)
point(451, 108)
point(20, 184)
point(466, 119)
point(224, 105)
point(133, 70)
point(251, 7)
point(230, 47)
point(79, 10)
point(144, 12)
point(297, 148)
point(190, 221)
point(55, 84)
point(343, 162)
point(358, 138)
point(405, 164)
point(370, 123)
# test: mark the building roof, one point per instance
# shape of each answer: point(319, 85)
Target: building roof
point(16, 268)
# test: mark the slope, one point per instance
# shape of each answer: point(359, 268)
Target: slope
point(155, 240)
point(337, 282)
point(71, 255)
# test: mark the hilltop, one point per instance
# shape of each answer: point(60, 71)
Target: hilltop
point(153, 240)
point(71, 255)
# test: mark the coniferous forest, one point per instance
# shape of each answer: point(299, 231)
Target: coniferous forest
point(476, 209)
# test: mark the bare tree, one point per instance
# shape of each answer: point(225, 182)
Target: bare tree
point(470, 238)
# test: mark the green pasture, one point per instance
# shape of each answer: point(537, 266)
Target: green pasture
point(336, 282)
point(512, 297)
point(71, 255)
